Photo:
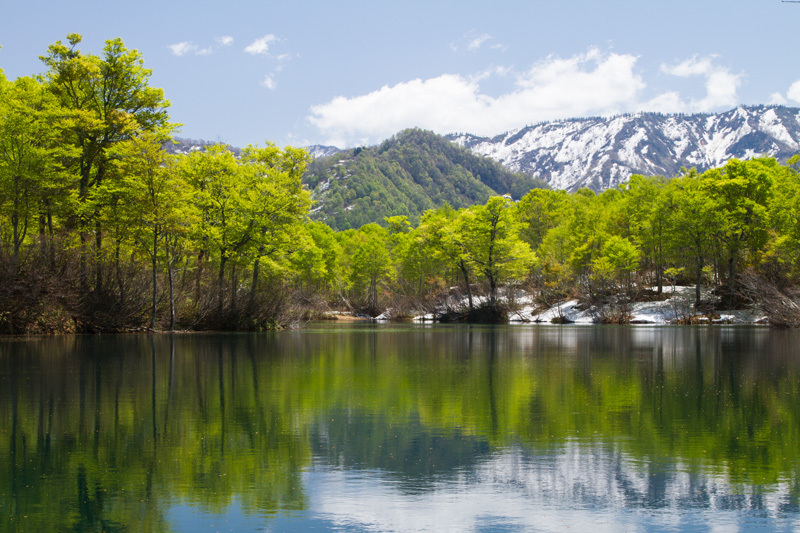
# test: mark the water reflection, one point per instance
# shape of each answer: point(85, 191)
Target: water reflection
point(403, 428)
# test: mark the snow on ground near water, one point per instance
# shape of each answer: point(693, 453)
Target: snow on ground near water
point(662, 312)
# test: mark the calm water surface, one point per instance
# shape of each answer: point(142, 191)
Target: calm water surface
point(403, 428)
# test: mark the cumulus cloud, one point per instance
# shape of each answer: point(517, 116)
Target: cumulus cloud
point(794, 91)
point(591, 83)
point(777, 99)
point(261, 45)
point(225, 40)
point(669, 102)
point(182, 48)
point(721, 85)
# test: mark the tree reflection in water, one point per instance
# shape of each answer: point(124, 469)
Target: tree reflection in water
point(347, 425)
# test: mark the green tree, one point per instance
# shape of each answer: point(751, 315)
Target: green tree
point(740, 193)
point(643, 202)
point(275, 202)
point(31, 125)
point(154, 195)
point(113, 102)
point(692, 221)
point(371, 263)
point(618, 260)
point(318, 260)
point(491, 242)
point(783, 247)
point(539, 211)
point(439, 234)
point(224, 229)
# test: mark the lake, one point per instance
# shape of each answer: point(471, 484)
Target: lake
point(379, 427)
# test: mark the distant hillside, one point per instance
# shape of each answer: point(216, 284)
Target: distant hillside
point(318, 150)
point(182, 146)
point(601, 153)
point(406, 175)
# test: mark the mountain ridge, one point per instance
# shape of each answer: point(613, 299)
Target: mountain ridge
point(417, 170)
point(601, 153)
point(409, 173)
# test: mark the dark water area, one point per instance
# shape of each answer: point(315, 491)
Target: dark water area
point(368, 427)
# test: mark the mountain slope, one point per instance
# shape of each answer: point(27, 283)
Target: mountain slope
point(413, 171)
point(601, 153)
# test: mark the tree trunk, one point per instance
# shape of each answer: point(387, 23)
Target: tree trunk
point(98, 262)
point(465, 272)
point(198, 278)
point(42, 239)
point(51, 238)
point(155, 285)
point(84, 275)
point(698, 282)
point(731, 288)
point(234, 286)
point(17, 242)
point(221, 282)
point(660, 279)
point(372, 297)
point(120, 284)
point(251, 305)
point(492, 291)
point(171, 285)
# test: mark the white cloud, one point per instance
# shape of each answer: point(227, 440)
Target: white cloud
point(225, 40)
point(476, 41)
point(721, 85)
point(260, 46)
point(186, 47)
point(592, 83)
point(669, 102)
point(269, 82)
point(472, 40)
point(794, 91)
point(777, 99)
point(182, 48)
point(690, 67)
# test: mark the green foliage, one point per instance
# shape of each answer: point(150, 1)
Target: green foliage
point(489, 237)
point(405, 176)
point(31, 174)
point(86, 187)
point(370, 264)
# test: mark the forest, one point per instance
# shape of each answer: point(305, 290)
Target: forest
point(102, 230)
point(408, 174)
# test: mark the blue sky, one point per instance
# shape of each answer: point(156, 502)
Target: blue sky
point(353, 73)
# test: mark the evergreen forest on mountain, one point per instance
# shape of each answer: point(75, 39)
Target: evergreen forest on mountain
point(102, 230)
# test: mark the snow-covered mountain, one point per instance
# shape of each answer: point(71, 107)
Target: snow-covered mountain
point(318, 150)
point(182, 146)
point(601, 153)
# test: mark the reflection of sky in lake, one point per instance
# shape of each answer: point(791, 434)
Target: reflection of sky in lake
point(579, 488)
